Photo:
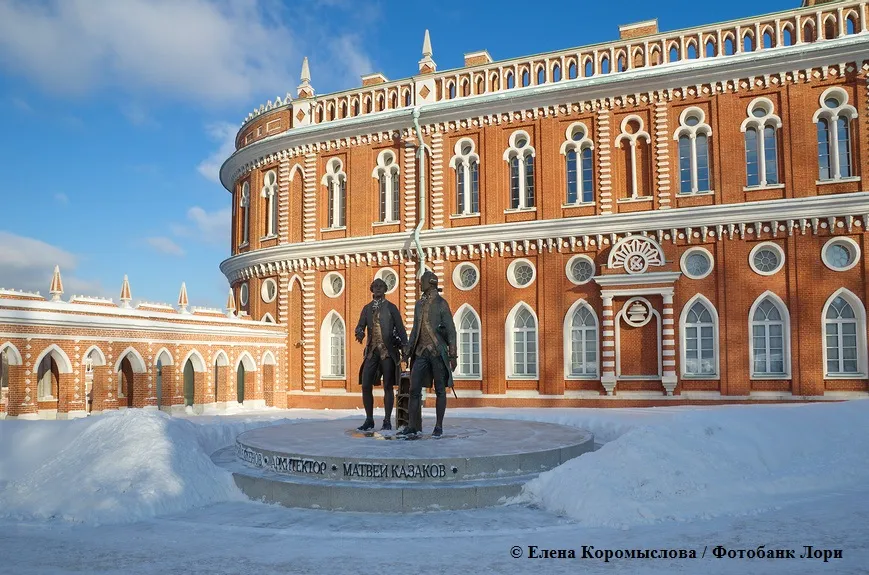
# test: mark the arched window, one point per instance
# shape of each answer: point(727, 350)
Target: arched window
point(320, 114)
point(699, 329)
point(407, 98)
point(468, 323)
point(830, 28)
point(770, 335)
point(844, 336)
point(387, 174)
point(710, 49)
point(481, 85)
point(510, 80)
point(541, 76)
point(343, 107)
point(851, 24)
point(381, 103)
point(452, 90)
point(270, 193)
point(368, 104)
point(747, 43)
point(605, 65)
point(834, 135)
point(809, 31)
point(526, 78)
point(394, 100)
point(556, 73)
point(581, 339)
point(355, 107)
point(244, 206)
point(729, 47)
point(788, 37)
point(633, 135)
point(693, 137)
point(335, 181)
point(589, 68)
point(692, 52)
point(571, 71)
point(761, 144)
point(767, 40)
point(466, 163)
point(333, 344)
point(522, 344)
point(520, 156)
point(674, 54)
point(577, 150)
point(4, 375)
point(466, 88)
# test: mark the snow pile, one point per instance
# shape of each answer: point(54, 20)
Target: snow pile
point(701, 464)
point(115, 468)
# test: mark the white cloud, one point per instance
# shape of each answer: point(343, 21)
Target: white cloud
point(224, 133)
point(28, 264)
point(165, 245)
point(209, 227)
point(61, 198)
point(21, 105)
point(137, 115)
point(209, 51)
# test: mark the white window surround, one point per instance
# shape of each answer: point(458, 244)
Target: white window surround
point(244, 204)
point(525, 202)
point(457, 276)
point(845, 242)
point(832, 114)
point(326, 335)
point(328, 287)
point(860, 311)
point(463, 161)
point(683, 320)
point(653, 315)
point(759, 123)
point(569, 272)
point(786, 336)
point(683, 262)
point(382, 273)
point(269, 290)
point(387, 167)
point(633, 139)
point(701, 128)
point(509, 339)
point(578, 146)
point(243, 294)
point(771, 246)
point(335, 181)
point(270, 193)
point(566, 332)
point(511, 269)
point(457, 319)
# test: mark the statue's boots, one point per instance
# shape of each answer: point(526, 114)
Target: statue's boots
point(438, 431)
point(408, 432)
point(387, 426)
point(367, 426)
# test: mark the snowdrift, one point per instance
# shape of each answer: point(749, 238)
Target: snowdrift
point(700, 464)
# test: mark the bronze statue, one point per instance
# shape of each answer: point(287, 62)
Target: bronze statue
point(386, 338)
point(432, 353)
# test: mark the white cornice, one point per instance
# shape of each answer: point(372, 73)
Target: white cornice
point(697, 218)
point(638, 279)
point(642, 80)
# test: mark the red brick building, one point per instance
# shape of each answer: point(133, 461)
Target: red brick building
point(672, 217)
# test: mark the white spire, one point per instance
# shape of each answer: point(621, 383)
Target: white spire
point(126, 296)
point(56, 288)
point(182, 298)
point(306, 71)
point(230, 304)
point(427, 65)
point(305, 90)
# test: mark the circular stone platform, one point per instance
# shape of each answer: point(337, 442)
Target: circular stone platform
point(330, 465)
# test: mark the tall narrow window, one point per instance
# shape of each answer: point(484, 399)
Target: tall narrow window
point(244, 205)
point(769, 338)
point(333, 343)
point(845, 336)
point(693, 137)
point(4, 374)
point(834, 135)
point(387, 174)
point(631, 138)
point(335, 181)
point(761, 144)
point(270, 193)
point(577, 150)
point(520, 157)
point(523, 338)
point(469, 343)
point(583, 342)
point(466, 164)
point(699, 329)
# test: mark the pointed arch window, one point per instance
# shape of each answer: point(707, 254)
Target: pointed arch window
point(466, 163)
point(335, 181)
point(4, 374)
point(387, 175)
point(520, 157)
point(693, 137)
point(761, 144)
point(270, 193)
point(699, 327)
point(633, 135)
point(469, 364)
point(244, 206)
point(522, 343)
point(577, 150)
point(581, 339)
point(844, 336)
point(834, 135)
point(770, 336)
point(333, 346)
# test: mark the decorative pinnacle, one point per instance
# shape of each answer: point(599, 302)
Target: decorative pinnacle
point(305, 90)
point(427, 65)
point(306, 71)
point(426, 46)
point(56, 289)
point(230, 304)
point(126, 297)
point(182, 298)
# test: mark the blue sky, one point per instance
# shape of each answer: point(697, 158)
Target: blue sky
point(116, 114)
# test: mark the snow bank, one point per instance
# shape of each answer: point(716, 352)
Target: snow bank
point(700, 464)
point(115, 468)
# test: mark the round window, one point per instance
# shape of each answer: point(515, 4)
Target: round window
point(766, 259)
point(580, 269)
point(390, 278)
point(465, 276)
point(696, 263)
point(243, 294)
point(269, 290)
point(840, 254)
point(333, 284)
point(520, 273)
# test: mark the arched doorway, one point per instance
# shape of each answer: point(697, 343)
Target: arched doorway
point(4, 378)
point(188, 382)
point(239, 385)
point(125, 383)
point(159, 384)
point(94, 387)
point(47, 377)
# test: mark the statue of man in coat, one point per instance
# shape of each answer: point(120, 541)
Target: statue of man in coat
point(432, 353)
point(387, 336)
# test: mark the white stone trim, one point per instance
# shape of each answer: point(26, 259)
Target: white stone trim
point(457, 317)
point(683, 319)
point(566, 336)
point(457, 275)
point(509, 366)
point(569, 265)
point(382, 272)
point(511, 270)
point(263, 291)
point(767, 245)
point(684, 259)
point(852, 245)
point(327, 285)
point(786, 336)
point(860, 311)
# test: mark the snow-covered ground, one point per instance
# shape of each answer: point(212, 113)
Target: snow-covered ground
point(136, 492)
